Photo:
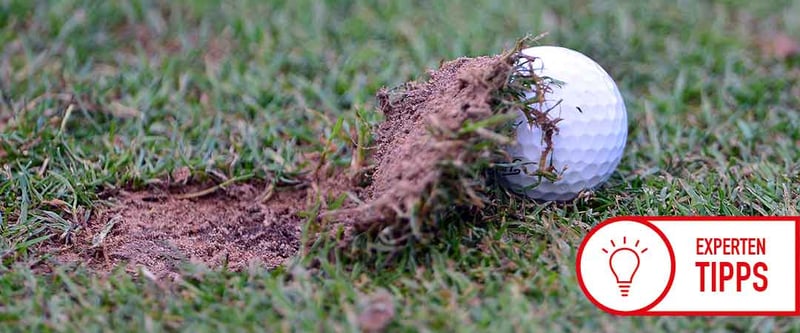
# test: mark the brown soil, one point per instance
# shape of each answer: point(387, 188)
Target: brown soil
point(232, 227)
point(420, 133)
point(160, 231)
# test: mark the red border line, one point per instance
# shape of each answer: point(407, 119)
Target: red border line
point(648, 219)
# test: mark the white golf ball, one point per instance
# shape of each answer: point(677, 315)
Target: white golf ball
point(591, 135)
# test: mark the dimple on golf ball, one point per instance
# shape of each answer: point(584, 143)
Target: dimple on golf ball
point(591, 134)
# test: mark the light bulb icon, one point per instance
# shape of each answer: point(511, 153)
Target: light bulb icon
point(624, 262)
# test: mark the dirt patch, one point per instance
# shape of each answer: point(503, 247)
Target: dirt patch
point(161, 231)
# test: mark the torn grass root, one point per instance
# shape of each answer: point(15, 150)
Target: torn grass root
point(440, 136)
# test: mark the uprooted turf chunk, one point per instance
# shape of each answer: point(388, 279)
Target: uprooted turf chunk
point(439, 138)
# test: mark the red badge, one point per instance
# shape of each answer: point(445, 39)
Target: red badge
point(692, 266)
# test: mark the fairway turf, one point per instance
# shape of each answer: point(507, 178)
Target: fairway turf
point(103, 96)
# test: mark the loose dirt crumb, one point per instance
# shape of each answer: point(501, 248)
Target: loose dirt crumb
point(377, 312)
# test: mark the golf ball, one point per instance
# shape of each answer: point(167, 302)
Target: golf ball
point(591, 135)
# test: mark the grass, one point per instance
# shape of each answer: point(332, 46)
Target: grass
point(99, 95)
